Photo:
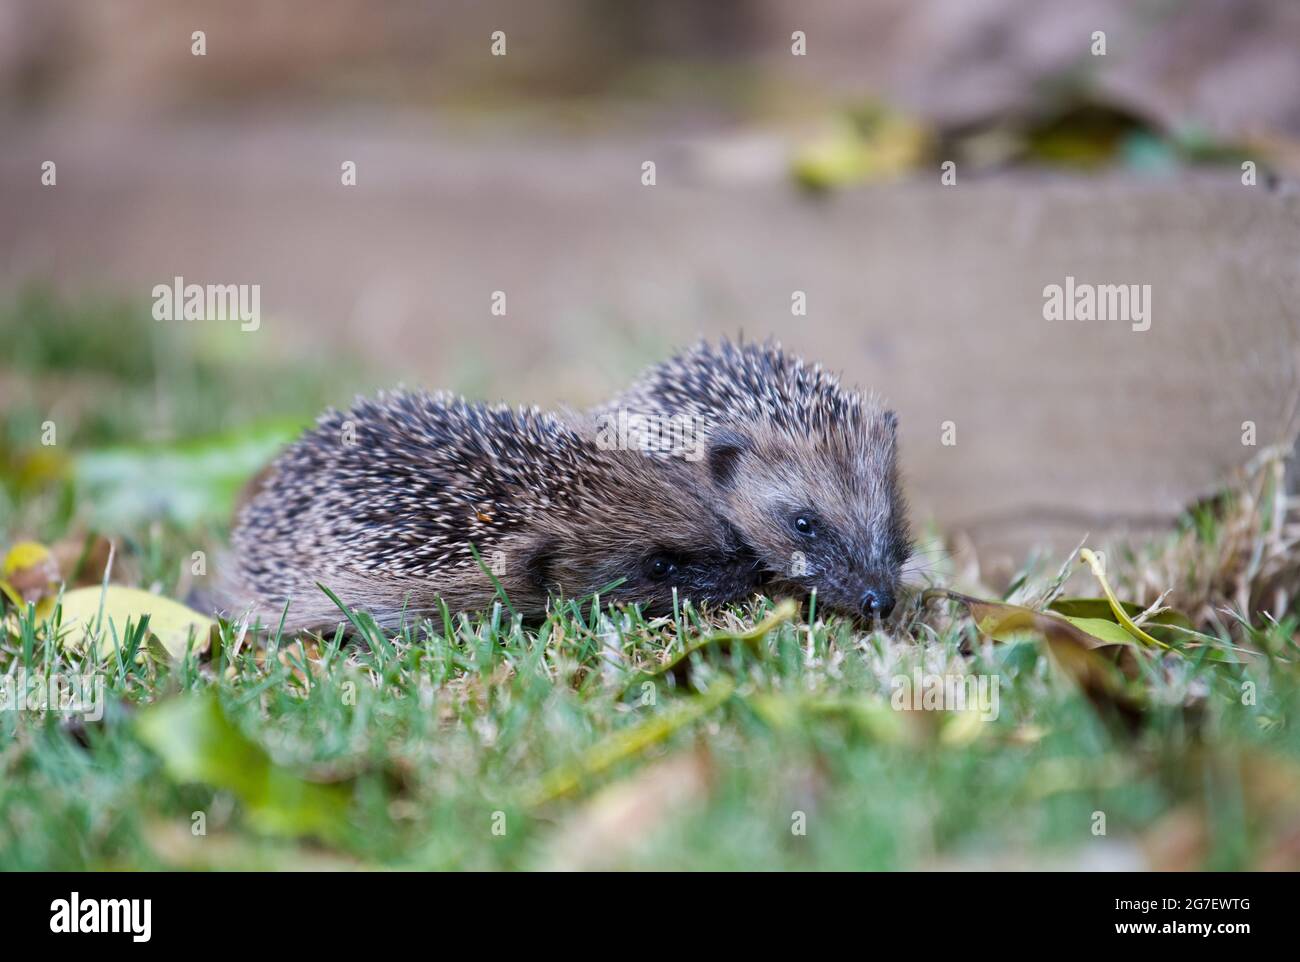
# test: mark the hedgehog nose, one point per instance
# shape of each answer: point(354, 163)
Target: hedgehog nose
point(877, 603)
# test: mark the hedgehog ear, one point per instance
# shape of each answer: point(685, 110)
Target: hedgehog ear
point(725, 451)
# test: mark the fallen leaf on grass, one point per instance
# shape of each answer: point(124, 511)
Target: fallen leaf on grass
point(1102, 629)
point(873, 718)
point(29, 574)
point(679, 667)
point(614, 821)
point(1101, 608)
point(1172, 629)
point(198, 743)
point(89, 612)
point(962, 727)
point(1083, 656)
point(1003, 622)
point(1268, 786)
point(1092, 560)
point(1177, 841)
point(628, 743)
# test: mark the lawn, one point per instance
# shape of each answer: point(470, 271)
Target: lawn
point(766, 736)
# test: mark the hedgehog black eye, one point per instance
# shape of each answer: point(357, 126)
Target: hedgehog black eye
point(805, 525)
point(660, 567)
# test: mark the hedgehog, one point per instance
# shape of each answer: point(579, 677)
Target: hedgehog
point(805, 469)
point(413, 499)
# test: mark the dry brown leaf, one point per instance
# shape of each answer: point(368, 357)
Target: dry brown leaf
point(83, 559)
point(607, 828)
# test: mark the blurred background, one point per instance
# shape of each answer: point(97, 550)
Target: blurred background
point(784, 162)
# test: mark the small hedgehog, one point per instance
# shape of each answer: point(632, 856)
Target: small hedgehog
point(382, 504)
point(805, 469)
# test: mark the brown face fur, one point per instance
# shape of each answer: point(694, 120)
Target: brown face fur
point(821, 510)
point(655, 531)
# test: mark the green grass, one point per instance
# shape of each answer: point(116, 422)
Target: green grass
point(476, 743)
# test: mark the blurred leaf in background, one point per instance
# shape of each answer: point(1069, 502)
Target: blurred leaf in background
point(188, 482)
point(198, 743)
point(110, 418)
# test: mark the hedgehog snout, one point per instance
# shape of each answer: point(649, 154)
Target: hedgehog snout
point(868, 595)
point(877, 602)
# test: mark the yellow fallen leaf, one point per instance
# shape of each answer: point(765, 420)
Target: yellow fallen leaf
point(29, 573)
point(872, 718)
point(1089, 558)
point(962, 728)
point(873, 146)
point(25, 554)
point(169, 621)
point(1103, 629)
point(680, 666)
point(628, 743)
